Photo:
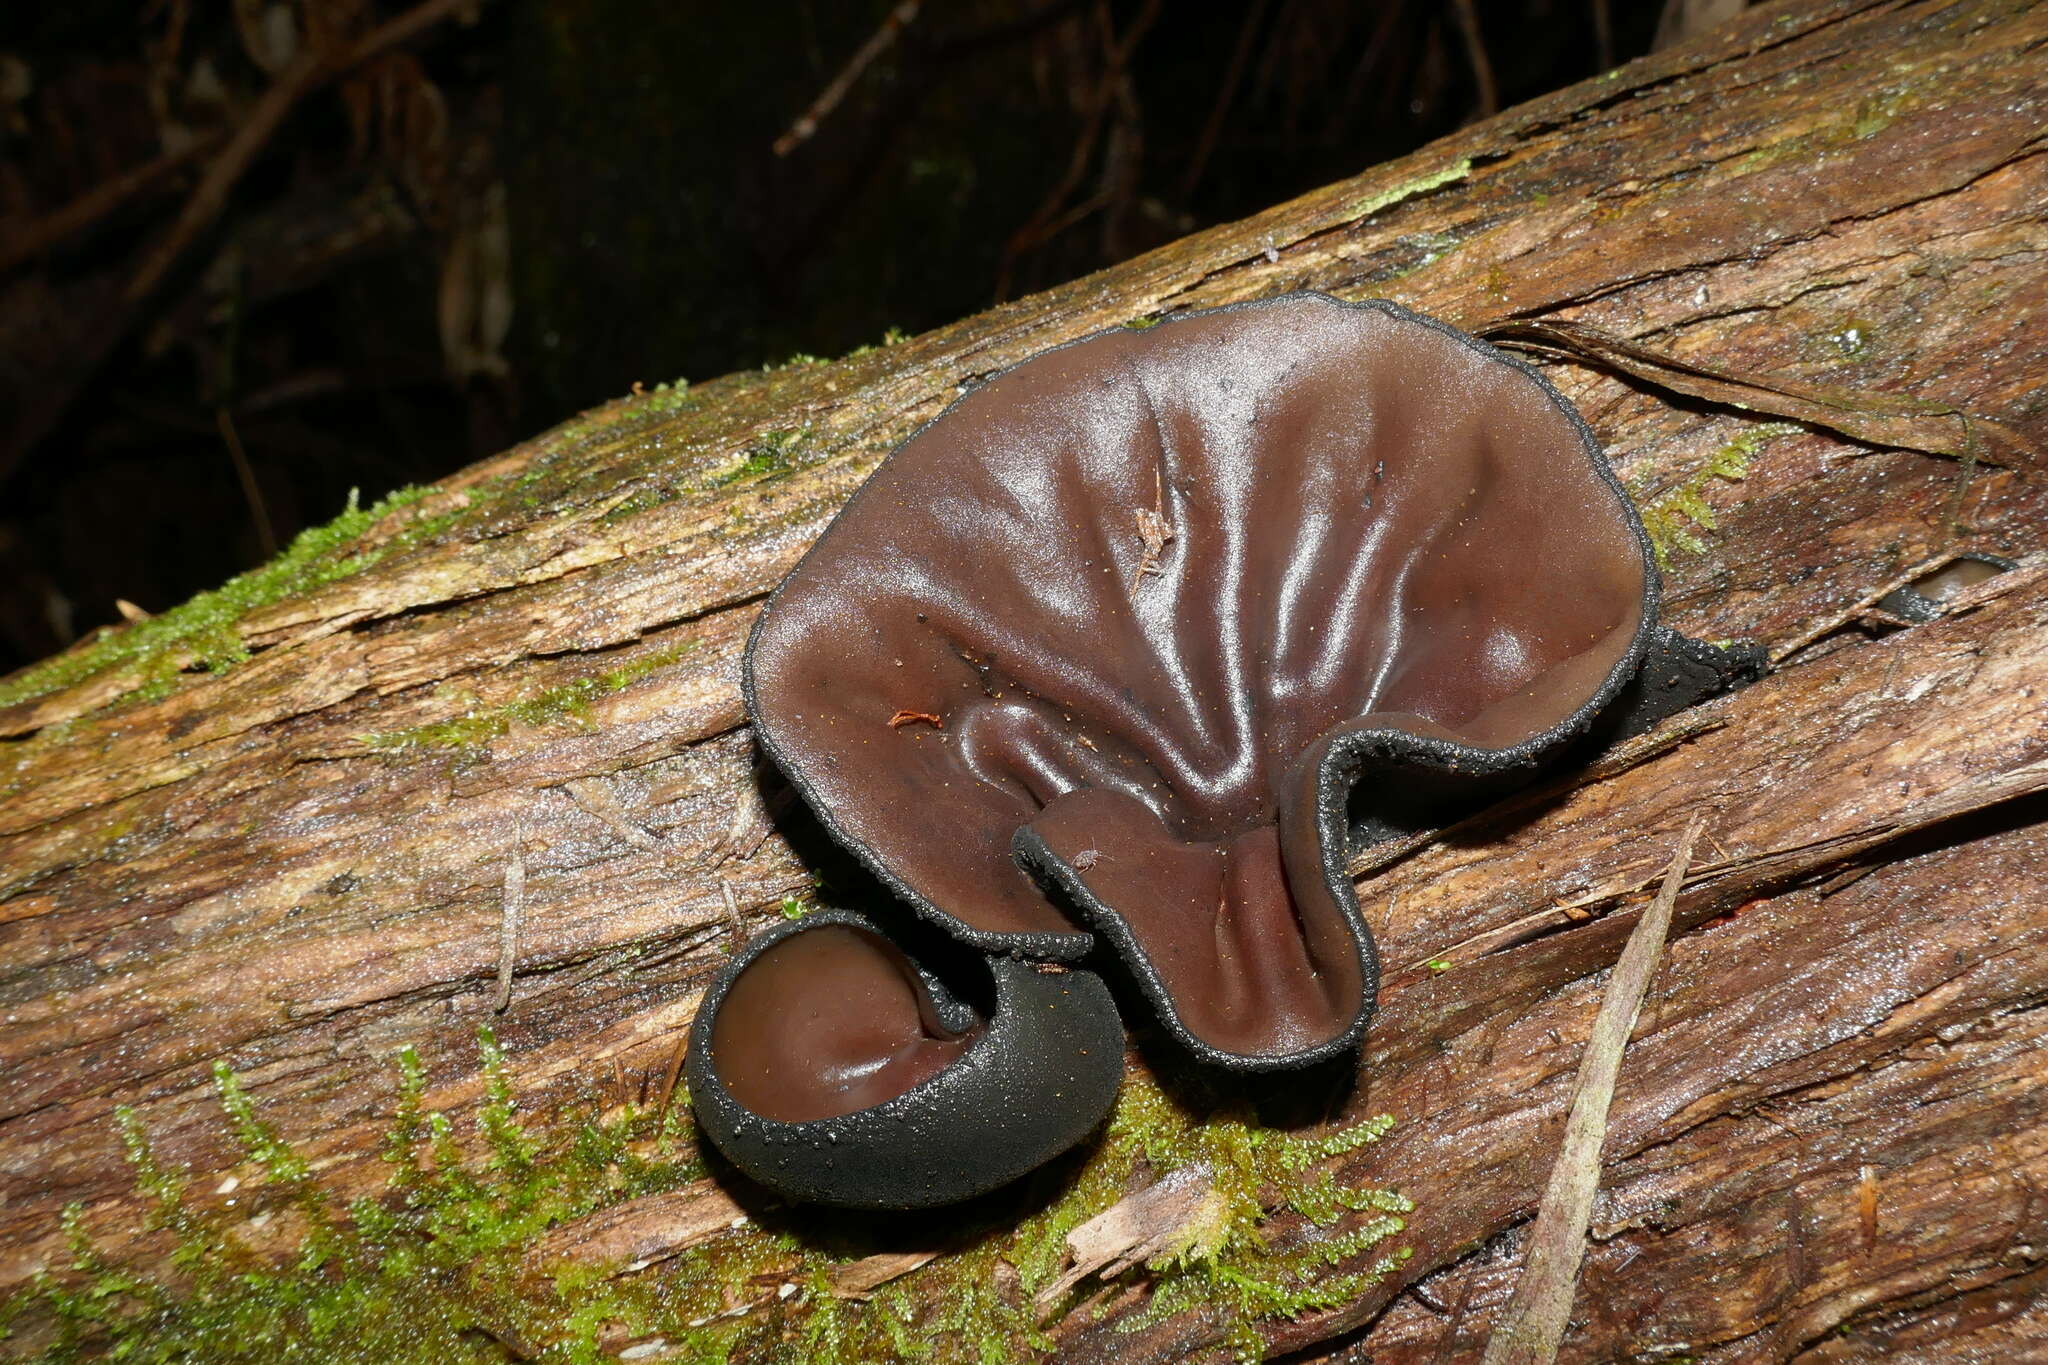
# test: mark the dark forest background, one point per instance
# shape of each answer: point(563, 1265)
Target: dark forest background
point(255, 254)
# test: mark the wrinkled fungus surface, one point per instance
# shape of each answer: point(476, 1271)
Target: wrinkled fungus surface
point(1106, 645)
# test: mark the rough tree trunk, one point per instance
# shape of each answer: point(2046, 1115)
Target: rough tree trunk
point(1828, 1138)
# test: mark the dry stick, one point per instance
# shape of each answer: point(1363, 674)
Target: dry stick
point(880, 41)
point(668, 1089)
point(1534, 1323)
point(1884, 420)
point(202, 206)
point(1037, 228)
point(732, 915)
point(598, 803)
point(511, 912)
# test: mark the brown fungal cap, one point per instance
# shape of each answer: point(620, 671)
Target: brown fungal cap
point(1163, 595)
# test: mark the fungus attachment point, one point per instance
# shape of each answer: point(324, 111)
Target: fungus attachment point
point(1169, 609)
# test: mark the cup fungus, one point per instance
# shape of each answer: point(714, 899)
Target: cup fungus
point(1134, 639)
point(830, 1067)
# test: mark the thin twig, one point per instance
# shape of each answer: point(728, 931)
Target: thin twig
point(90, 351)
point(668, 1089)
point(1225, 97)
point(1882, 420)
point(512, 910)
point(266, 536)
point(1475, 52)
point(597, 802)
point(1037, 228)
point(1534, 1322)
point(880, 41)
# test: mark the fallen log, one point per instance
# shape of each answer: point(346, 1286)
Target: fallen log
point(278, 829)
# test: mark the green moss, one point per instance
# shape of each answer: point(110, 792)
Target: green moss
point(152, 653)
point(444, 1265)
point(430, 1273)
point(892, 337)
point(773, 454)
point(639, 500)
point(1672, 516)
point(665, 399)
point(566, 705)
point(1225, 1262)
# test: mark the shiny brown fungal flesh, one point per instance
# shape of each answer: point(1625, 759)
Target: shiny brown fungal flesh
point(1145, 583)
point(827, 1023)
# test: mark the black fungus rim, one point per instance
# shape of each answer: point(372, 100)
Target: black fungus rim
point(956, 1134)
point(1336, 772)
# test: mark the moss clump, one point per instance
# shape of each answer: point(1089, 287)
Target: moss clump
point(445, 1265)
point(1670, 517)
point(203, 630)
point(430, 1273)
point(1224, 1260)
point(568, 704)
point(665, 399)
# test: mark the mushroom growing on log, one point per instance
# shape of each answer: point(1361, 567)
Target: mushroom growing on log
point(1182, 612)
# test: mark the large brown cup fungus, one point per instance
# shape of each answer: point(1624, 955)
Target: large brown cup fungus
point(1107, 647)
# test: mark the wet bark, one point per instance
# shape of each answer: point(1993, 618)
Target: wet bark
point(1828, 1134)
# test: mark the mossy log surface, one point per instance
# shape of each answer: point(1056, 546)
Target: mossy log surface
point(280, 833)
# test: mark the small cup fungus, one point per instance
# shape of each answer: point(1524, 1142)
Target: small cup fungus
point(1927, 597)
point(1136, 640)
